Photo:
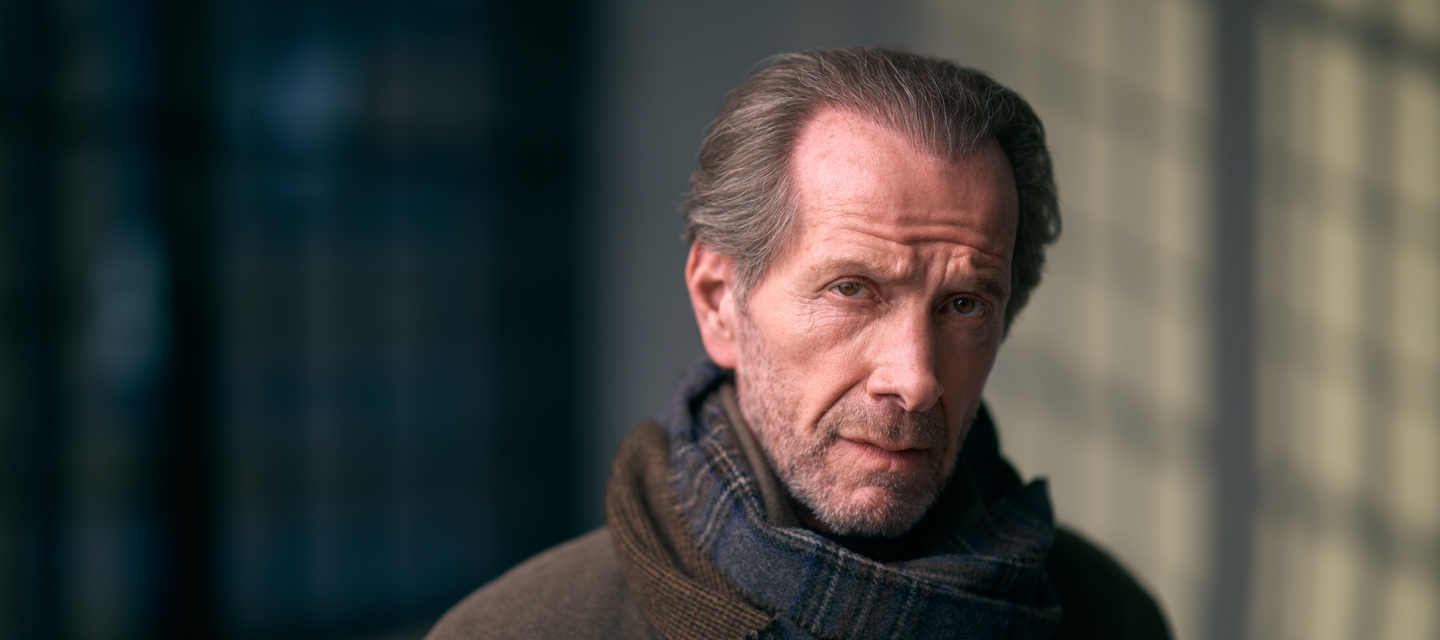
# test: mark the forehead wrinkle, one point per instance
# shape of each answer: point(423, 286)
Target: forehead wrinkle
point(876, 255)
point(872, 264)
point(907, 229)
point(911, 238)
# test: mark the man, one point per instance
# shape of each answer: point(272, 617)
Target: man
point(864, 226)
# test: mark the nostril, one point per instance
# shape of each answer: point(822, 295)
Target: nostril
point(924, 398)
point(912, 390)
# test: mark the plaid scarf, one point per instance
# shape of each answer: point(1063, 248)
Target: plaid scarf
point(986, 581)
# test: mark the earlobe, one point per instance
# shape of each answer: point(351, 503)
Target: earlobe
point(710, 279)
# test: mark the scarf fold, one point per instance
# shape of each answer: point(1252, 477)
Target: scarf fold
point(986, 581)
point(681, 594)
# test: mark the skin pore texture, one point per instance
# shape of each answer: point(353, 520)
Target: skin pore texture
point(861, 354)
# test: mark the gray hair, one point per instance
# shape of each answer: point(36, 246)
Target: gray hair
point(741, 201)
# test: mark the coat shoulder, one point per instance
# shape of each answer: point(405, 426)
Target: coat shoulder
point(575, 590)
point(1099, 597)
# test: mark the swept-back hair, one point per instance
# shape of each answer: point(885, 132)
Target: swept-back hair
point(742, 200)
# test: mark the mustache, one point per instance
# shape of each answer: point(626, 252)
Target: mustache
point(925, 429)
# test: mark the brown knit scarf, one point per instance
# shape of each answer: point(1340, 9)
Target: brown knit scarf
point(683, 596)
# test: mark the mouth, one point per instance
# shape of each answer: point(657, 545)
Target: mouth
point(883, 456)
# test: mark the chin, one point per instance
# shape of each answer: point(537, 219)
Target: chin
point(871, 511)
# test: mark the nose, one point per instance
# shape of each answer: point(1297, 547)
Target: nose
point(904, 362)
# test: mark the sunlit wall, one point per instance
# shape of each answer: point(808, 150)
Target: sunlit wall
point(1348, 446)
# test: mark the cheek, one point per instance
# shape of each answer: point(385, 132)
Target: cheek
point(818, 337)
point(962, 373)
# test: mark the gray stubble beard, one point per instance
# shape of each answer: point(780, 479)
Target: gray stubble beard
point(798, 456)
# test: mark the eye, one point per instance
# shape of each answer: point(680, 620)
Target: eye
point(850, 289)
point(968, 307)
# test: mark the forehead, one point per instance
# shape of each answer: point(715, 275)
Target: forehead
point(852, 175)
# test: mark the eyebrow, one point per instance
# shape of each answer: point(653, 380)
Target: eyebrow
point(983, 282)
point(993, 288)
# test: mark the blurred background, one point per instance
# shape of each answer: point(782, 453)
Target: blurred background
point(316, 315)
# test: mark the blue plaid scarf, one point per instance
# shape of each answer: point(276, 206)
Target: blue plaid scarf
point(986, 581)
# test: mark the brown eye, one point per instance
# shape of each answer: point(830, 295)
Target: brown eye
point(848, 289)
point(966, 306)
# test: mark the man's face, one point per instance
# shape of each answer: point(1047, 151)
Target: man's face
point(861, 354)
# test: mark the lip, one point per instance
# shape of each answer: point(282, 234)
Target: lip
point(891, 458)
point(898, 447)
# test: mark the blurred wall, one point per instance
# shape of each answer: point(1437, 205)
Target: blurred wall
point(1231, 373)
point(1347, 535)
point(282, 353)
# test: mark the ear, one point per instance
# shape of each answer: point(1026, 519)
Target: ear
point(710, 277)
